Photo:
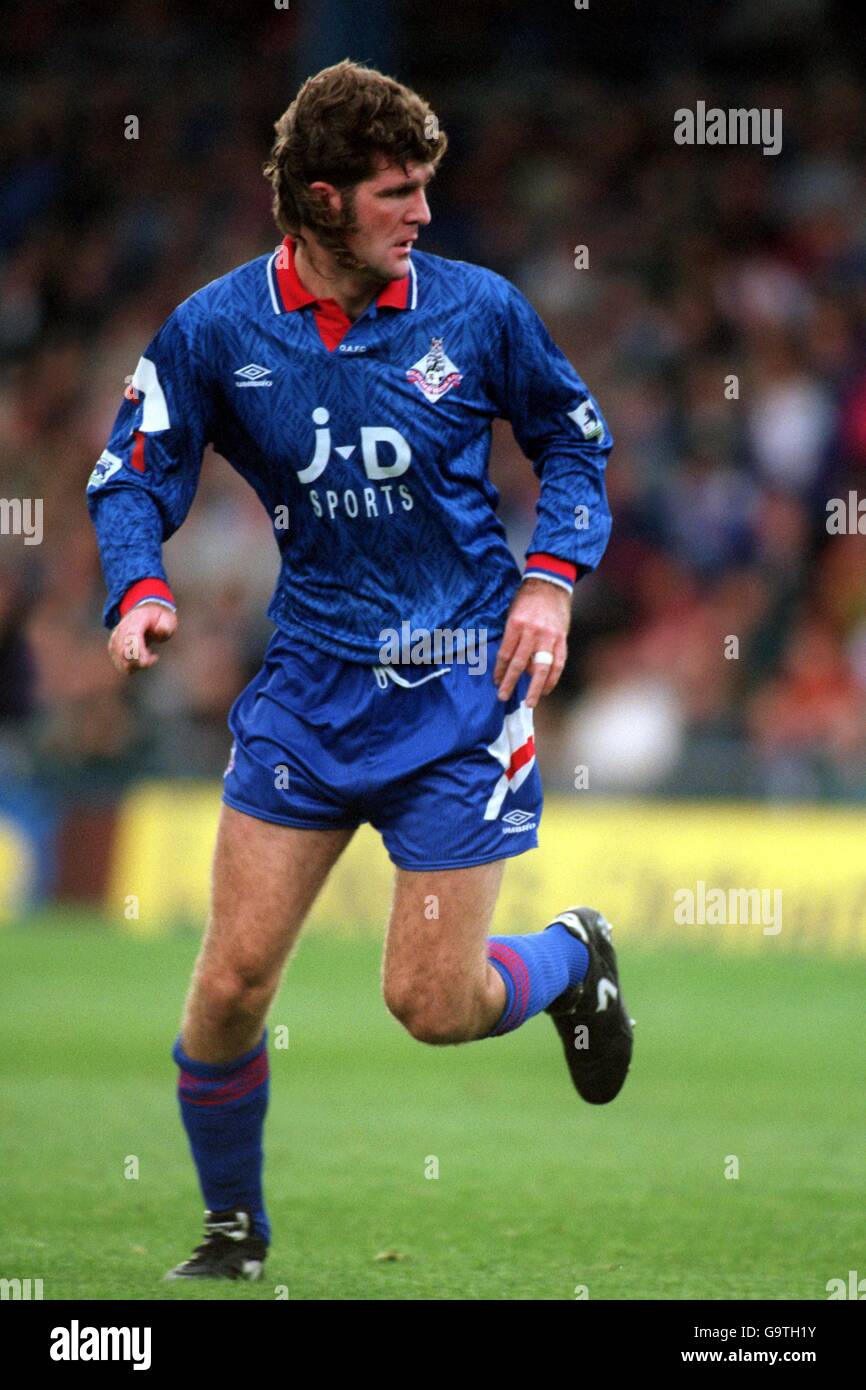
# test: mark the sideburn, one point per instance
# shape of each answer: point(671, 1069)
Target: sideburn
point(332, 231)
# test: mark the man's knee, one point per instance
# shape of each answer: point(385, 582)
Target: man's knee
point(437, 1019)
point(232, 990)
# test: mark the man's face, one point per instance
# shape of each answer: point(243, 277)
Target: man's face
point(388, 210)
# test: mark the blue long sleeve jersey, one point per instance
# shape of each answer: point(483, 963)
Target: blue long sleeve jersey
point(367, 443)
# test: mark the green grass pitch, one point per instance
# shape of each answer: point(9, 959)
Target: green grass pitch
point(757, 1057)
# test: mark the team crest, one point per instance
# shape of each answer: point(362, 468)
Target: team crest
point(435, 373)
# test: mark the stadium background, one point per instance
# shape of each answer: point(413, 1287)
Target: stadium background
point(703, 263)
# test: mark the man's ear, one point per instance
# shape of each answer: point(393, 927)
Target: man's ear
point(327, 195)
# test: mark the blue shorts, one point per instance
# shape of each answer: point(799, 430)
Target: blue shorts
point(442, 768)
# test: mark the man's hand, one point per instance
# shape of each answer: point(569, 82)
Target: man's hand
point(538, 621)
point(128, 644)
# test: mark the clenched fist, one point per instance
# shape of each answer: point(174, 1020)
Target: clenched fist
point(131, 643)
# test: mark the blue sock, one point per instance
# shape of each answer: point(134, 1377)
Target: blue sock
point(536, 969)
point(223, 1107)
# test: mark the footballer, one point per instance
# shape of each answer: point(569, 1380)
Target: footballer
point(352, 380)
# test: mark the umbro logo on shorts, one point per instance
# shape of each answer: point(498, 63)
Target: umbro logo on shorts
point(516, 821)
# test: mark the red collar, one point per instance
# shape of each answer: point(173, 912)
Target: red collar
point(294, 295)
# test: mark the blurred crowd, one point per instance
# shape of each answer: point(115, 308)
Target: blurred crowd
point(718, 314)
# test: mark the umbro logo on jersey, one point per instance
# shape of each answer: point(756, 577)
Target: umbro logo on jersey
point(253, 375)
point(434, 373)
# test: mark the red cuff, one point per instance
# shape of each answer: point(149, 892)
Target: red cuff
point(145, 588)
point(563, 569)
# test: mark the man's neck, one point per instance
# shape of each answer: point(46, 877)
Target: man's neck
point(352, 289)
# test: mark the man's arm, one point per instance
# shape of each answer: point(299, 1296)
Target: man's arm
point(142, 488)
point(560, 428)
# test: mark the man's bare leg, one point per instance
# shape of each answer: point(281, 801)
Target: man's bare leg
point(447, 981)
point(436, 976)
point(265, 879)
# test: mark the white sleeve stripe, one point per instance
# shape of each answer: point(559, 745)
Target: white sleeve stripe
point(551, 579)
point(155, 413)
point(163, 603)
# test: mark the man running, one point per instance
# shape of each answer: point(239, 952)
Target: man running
point(353, 380)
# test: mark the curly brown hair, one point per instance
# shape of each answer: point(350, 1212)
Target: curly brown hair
point(337, 125)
